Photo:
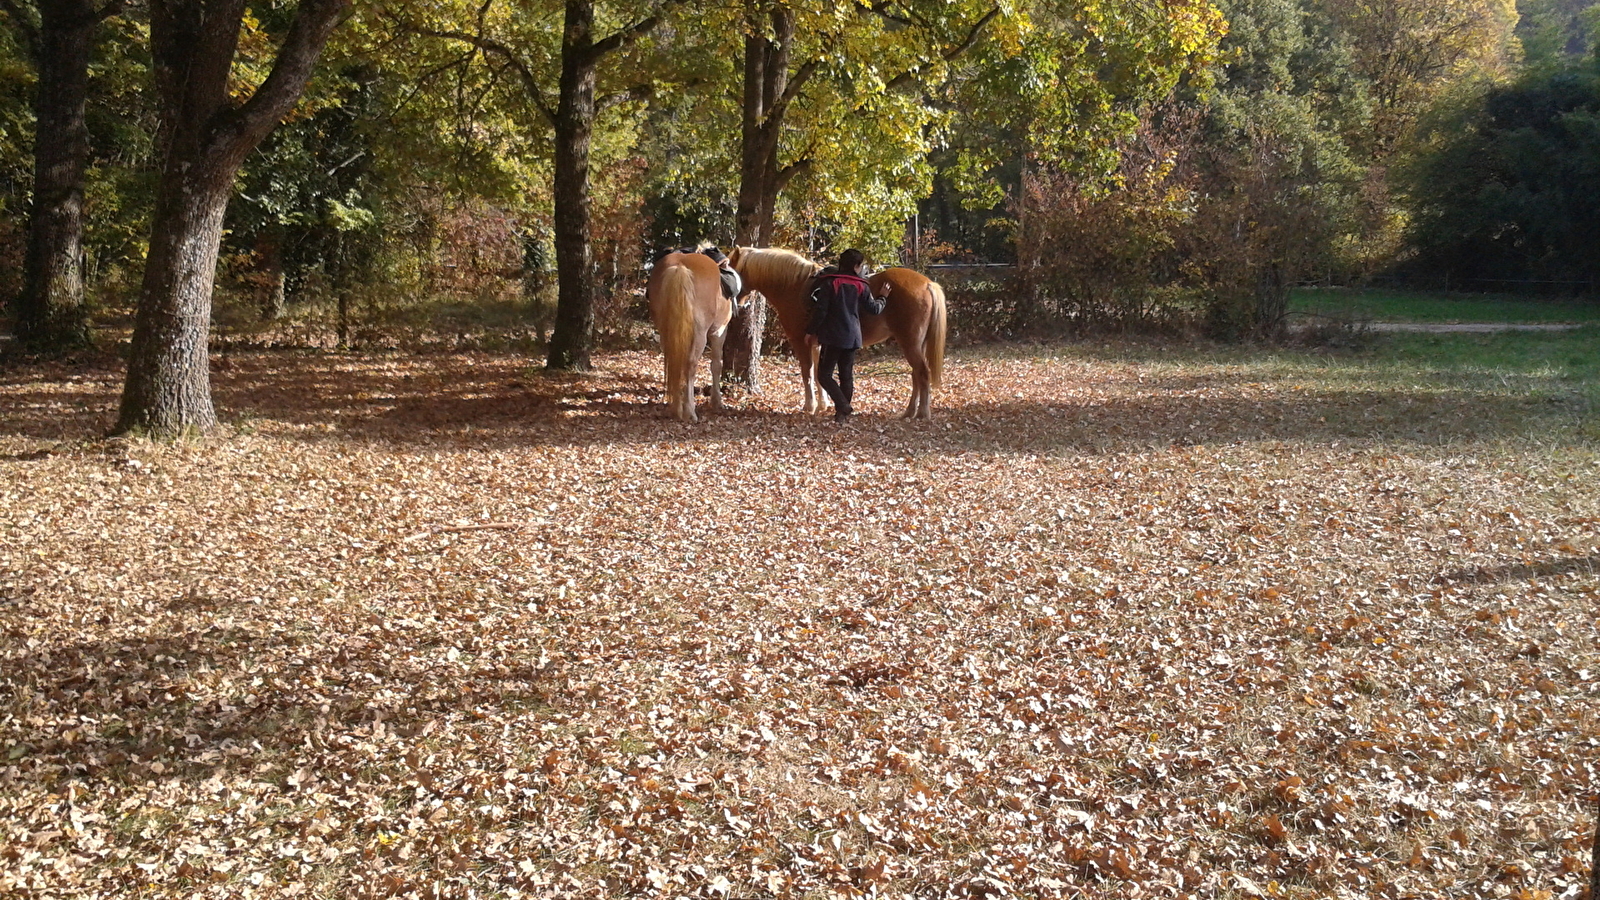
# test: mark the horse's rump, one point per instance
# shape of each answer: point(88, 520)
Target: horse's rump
point(689, 312)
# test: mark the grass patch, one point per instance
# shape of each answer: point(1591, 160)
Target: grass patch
point(1376, 305)
point(1564, 361)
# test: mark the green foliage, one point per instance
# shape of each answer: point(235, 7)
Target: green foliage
point(1555, 32)
point(16, 159)
point(1071, 83)
point(420, 163)
point(1508, 189)
point(119, 186)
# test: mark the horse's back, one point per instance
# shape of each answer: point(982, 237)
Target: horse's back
point(707, 304)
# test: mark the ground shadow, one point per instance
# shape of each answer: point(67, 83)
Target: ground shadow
point(504, 401)
point(1554, 568)
point(140, 718)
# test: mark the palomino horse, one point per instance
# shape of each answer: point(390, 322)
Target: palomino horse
point(914, 317)
point(689, 311)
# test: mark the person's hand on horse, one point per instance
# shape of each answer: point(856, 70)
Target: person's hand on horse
point(885, 289)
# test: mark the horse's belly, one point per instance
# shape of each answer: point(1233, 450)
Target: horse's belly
point(874, 330)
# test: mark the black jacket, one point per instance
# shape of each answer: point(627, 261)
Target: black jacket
point(838, 301)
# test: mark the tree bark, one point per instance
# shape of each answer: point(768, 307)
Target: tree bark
point(768, 91)
point(1594, 859)
point(741, 350)
point(274, 295)
point(573, 337)
point(51, 315)
point(205, 138)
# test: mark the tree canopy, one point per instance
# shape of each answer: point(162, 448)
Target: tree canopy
point(534, 153)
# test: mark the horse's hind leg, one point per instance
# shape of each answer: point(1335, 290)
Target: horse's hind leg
point(917, 406)
point(814, 384)
point(692, 374)
point(715, 346)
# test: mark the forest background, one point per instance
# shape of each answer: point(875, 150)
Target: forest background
point(1172, 164)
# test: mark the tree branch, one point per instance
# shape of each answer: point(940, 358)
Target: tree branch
point(788, 173)
point(905, 78)
point(626, 95)
point(632, 33)
point(882, 11)
point(489, 45)
point(792, 89)
point(421, 81)
point(297, 57)
point(23, 24)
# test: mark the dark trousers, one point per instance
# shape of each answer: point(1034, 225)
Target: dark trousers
point(841, 391)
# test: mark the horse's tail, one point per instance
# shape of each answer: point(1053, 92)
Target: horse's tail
point(677, 325)
point(938, 327)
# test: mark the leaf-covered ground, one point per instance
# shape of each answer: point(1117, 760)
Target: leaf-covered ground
point(1111, 625)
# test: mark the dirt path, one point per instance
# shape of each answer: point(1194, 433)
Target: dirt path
point(1469, 327)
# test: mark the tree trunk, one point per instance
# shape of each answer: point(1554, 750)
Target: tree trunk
point(757, 48)
point(767, 93)
point(205, 139)
point(765, 101)
point(573, 337)
point(51, 317)
point(274, 296)
point(169, 386)
point(741, 351)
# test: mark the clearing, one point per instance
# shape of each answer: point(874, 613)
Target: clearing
point(1122, 621)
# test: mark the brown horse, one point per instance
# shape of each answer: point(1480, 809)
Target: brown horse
point(690, 313)
point(914, 317)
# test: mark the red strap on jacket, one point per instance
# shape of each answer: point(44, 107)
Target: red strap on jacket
point(845, 276)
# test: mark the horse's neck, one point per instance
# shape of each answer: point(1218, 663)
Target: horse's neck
point(771, 282)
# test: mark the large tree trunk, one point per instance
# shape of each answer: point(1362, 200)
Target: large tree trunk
point(205, 139)
point(51, 317)
point(169, 386)
point(765, 101)
point(573, 337)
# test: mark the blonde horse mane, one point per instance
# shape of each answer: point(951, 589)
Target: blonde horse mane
point(774, 266)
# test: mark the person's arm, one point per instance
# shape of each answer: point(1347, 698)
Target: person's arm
point(872, 304)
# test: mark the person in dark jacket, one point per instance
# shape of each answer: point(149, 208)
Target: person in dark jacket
point(839, 299)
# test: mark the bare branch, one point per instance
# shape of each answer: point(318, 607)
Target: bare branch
point(788, 173)
point(883, 11)
point(489, 45)
point(632, 33)
point(793, 88)
point(421, 81)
